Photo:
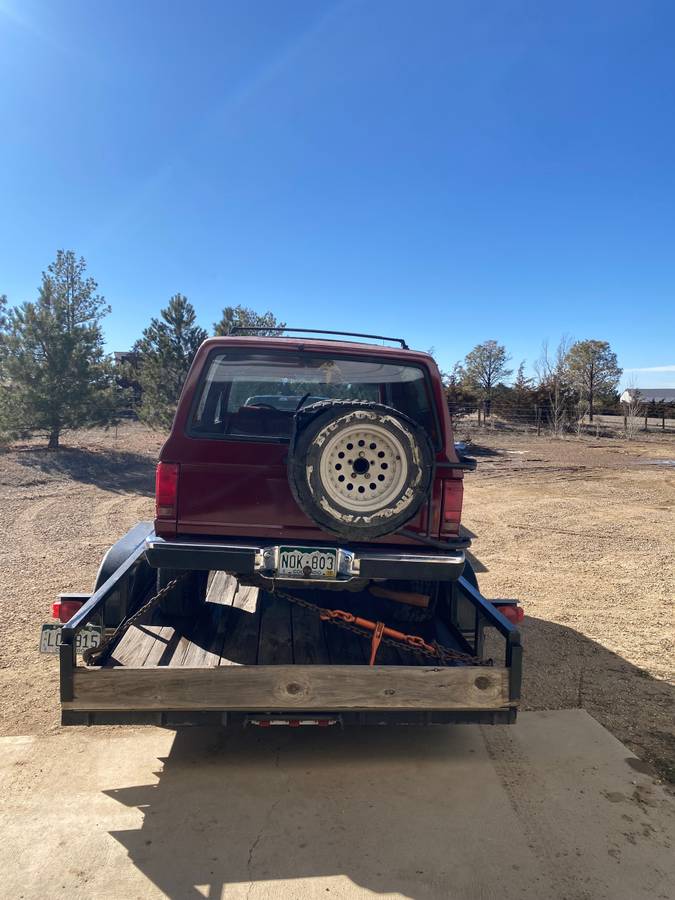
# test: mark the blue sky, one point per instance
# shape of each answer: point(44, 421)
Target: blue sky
point(449, 171)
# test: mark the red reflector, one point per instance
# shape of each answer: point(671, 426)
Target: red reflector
point(166, 490)
point(453, 492)
point(64, 610)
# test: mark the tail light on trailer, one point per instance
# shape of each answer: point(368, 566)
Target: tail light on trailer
point(511, 611)
point(166, 490)
point(64, 609)
point(453, 492)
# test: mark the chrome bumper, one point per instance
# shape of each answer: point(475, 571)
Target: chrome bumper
point(244, 558)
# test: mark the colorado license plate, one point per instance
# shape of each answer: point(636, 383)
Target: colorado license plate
point(88, 636)
point(307, 562)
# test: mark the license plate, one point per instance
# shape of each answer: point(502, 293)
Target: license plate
point(88, 636)
point(307, 562)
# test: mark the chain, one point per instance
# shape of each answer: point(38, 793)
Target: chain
point(413, 643)
point(92, 653)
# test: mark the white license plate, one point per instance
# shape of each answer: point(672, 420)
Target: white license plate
point(88, 636)
point(307, 562)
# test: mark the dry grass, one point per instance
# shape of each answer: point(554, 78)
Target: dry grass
point(581, 531)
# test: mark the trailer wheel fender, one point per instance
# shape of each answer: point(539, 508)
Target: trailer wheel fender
point(121, 550)
point(124, 601)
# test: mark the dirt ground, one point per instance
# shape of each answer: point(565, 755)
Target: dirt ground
point(581, 531)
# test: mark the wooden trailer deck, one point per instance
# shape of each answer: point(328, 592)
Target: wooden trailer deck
point(248, 651)
point(241, 625)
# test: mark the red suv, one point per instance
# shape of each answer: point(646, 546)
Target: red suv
point(316, 462)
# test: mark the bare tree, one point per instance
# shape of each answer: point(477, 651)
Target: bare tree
point(633, 410)
point(581, 408)
point(551, 371)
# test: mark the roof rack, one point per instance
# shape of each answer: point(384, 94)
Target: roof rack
point(238, 329)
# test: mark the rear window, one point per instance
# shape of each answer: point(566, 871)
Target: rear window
point(255, 395)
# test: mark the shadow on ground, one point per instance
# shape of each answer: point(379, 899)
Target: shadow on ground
point(120, 471)
point(482, 450)
point(265, 806)
point(564, 669)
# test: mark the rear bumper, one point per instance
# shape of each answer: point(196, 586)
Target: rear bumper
point(183, 718)
point(256, 558)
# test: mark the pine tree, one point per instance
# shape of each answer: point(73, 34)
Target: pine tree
point(163, 356)
point(54, 373)
point(594, 371)
point(485, 366)
point(522, 386)
point(245, 318)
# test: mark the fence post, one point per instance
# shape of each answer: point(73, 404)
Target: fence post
point(663, 415)
point(479, 406)
point(646, 417)
point(537, 412)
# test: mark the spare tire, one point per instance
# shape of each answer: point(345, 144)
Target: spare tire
point(359, 470)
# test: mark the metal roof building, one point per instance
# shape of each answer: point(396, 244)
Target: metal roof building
point(649, 395)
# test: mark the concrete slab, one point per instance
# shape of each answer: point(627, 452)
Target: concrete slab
point(554, 807)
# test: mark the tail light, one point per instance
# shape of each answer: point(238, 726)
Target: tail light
point(511, 611)
point(64, 610)
point(166, 490)
point(453, 492)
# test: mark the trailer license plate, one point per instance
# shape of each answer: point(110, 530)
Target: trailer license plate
point(307, 562)
point(88, 636)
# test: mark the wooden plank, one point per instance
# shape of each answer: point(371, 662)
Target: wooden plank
point(141, 645)
point(242, 626)
point(180, 648)
point(259, 688)
point(309, 640)
point(275, 643)
point(390, 656)
point(201, 639)
point(132, 648)
point(344, 647)
point(163, 646)
point(222, 588)
point(207, 643)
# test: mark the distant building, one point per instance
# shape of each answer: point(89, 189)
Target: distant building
point(649, 395)
point(124, 356)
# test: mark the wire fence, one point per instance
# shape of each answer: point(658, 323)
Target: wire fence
point(542, 418)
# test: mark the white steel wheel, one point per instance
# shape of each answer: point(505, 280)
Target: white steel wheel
point(360, 470)
point(363, 467)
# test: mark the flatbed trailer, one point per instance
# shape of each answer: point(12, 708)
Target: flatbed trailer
point(248, 656)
